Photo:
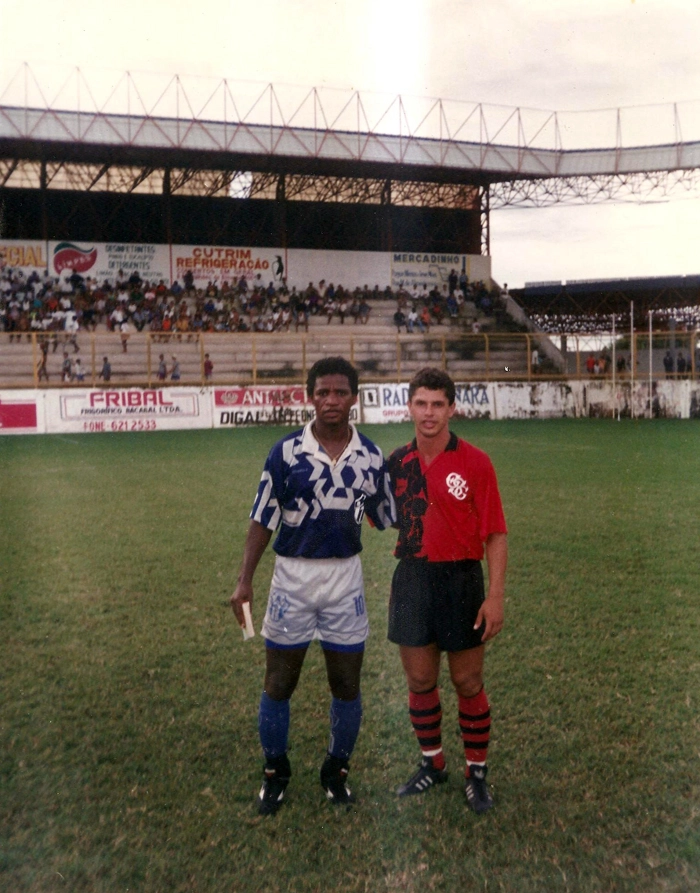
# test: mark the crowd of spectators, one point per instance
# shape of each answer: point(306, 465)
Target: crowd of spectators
point(49, 306)
point(576, 323)
point(417, 307)
point(682, 318)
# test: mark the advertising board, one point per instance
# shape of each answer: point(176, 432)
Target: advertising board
point(127, 409)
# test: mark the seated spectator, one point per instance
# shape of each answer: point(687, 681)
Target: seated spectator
point(399, 319)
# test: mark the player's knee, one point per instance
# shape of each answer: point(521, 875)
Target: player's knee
point(468, 684)
point(345, 690)
point(344, 684)
point(421, 682)
point(280, 685)
point(343, 672)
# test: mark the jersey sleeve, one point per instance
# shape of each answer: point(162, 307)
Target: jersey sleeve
point(381, 508)
point(488, 503)
point(267, 506)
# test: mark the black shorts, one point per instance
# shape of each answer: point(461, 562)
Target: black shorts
point(436, 602)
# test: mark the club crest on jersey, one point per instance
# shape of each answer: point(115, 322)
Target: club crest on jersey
point(457, 486)
point(360, 508)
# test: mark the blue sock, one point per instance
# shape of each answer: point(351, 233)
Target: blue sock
point(346, 717)
point(273, 726)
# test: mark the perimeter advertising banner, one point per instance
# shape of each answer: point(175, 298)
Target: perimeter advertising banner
point(21, 412)
point(265, 405)
point(127, 409)
point(97, 410)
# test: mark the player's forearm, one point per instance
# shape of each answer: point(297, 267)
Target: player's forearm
point(255, 544)
point(497, 561)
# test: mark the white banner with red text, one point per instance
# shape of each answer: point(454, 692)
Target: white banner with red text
point(265, 405)
point(101, 410)
point(118, 261)
point(126, 409)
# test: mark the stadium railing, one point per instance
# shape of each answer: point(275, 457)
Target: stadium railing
point(267, 358)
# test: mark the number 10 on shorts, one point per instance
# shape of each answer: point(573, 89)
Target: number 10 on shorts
point(359, 605)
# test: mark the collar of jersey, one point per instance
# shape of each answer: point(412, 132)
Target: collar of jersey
point(310, 445)
point(452, 444)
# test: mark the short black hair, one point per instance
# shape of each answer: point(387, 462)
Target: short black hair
point(332, 366)
point(433, 380)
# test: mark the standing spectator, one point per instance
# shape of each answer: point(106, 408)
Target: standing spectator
point(463, 283)
point(175, 371)
point(162, 368)
point(208, 367)
point(66, 368)
point(300, 310)
point(668, 364)
point(124, 334)
point(42, 371)
point(106, 370)
point(78, 371)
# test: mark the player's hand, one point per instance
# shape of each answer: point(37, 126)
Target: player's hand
point(491, 615)
point(242, 593)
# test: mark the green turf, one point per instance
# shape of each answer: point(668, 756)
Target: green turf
point(128, 738)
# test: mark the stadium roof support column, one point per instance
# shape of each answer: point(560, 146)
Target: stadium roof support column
point(281, 211)
point(484, 204)
point(167, 192)
point(43, 186)
point(385, 201)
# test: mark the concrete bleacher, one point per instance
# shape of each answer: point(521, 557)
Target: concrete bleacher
point(376, 348)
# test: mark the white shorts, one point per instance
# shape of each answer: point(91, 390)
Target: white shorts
point(319, 598)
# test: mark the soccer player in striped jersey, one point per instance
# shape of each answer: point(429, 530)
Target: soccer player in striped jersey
point(449, 517)
point(317, 485)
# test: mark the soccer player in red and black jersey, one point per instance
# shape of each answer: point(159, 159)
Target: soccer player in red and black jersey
point(449, 517)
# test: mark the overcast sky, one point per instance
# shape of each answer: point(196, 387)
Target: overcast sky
point(542, 54)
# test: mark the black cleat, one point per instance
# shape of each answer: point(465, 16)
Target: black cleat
point(276, 775)
point(478, 797)
point(426, 776)
point(334, 773)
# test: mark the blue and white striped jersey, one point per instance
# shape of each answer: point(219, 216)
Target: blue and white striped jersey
point(318, 506)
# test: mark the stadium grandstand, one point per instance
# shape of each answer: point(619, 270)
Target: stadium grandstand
point(309, 180)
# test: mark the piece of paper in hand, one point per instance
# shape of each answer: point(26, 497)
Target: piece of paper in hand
point(248, 629)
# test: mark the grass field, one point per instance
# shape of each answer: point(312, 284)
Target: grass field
point(128, 736)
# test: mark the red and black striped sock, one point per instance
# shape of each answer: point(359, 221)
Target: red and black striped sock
point(426, 717)
point(475, 726)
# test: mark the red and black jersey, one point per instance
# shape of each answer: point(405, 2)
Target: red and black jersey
point(447, 509)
